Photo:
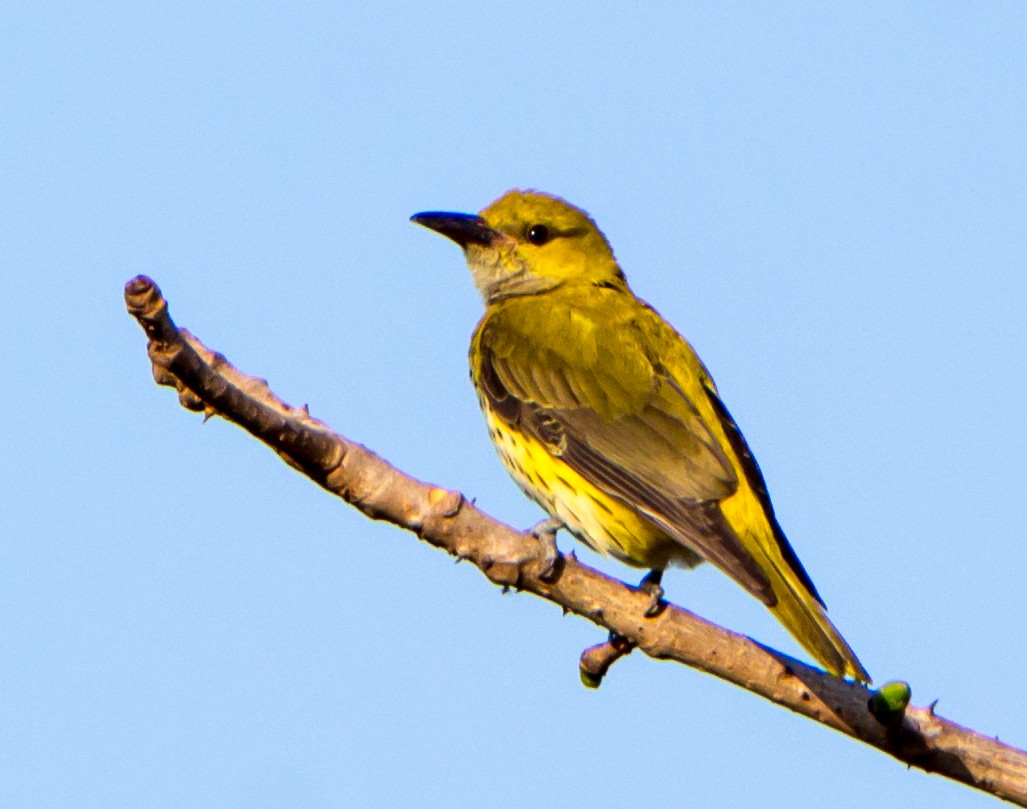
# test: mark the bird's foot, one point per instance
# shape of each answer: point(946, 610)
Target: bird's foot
point(545, 533)
point(651, 584)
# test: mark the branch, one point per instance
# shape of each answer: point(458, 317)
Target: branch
point(207, 382)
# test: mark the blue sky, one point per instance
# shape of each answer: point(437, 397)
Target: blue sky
point(828, 200)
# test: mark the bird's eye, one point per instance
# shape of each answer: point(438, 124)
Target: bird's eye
point(538, 235)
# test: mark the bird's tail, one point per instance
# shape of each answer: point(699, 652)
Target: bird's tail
point(798, 606)
point(803, 615)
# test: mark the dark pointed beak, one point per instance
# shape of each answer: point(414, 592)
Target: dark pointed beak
point(462, 228)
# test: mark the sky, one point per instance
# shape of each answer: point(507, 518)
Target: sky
point(828, 200)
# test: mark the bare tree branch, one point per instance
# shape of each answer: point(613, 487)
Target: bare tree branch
point(918, 737)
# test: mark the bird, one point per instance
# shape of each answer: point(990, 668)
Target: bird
point(606, 417)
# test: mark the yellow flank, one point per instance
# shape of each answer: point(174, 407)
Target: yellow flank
point(602, 522)
point(604, 415)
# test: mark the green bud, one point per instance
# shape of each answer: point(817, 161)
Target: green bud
point(590, 680)
point(890, 701)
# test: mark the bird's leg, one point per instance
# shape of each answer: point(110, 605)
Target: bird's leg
point(651, 584)
point(545, 533)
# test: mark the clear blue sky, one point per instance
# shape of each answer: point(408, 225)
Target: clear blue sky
point(829, 201)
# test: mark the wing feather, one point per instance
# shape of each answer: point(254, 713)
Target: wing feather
point(621, 422)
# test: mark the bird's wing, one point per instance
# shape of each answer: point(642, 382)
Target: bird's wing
point(593, 395)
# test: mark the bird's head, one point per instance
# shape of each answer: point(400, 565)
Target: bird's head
point(528, 242)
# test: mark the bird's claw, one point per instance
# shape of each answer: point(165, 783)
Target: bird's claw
point(651, 584)
point(545, 533)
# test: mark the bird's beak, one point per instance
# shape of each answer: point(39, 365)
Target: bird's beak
point(463, 228)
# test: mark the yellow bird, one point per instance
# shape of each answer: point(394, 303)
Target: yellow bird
point(605, 416)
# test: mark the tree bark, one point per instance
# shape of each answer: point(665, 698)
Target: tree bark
point(510, 558)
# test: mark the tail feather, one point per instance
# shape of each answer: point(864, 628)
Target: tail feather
point(798, 606)
point(808, 622)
